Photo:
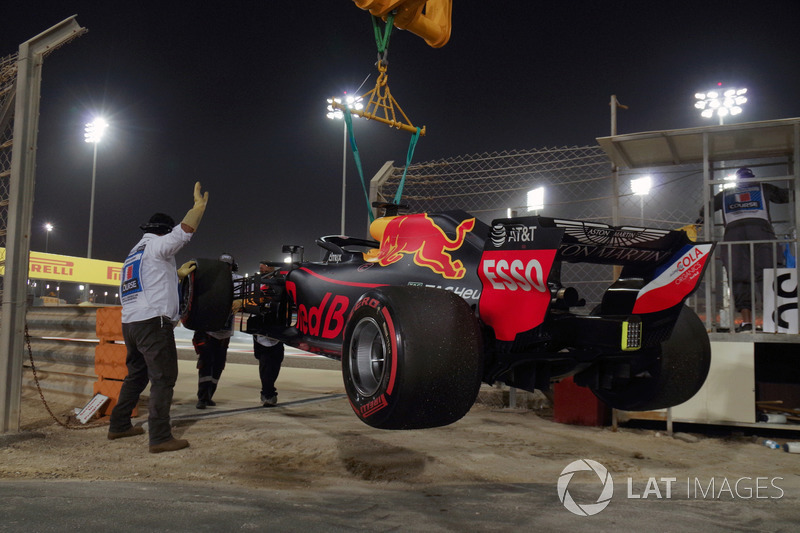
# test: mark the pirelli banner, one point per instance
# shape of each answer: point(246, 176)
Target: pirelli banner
point(67, 268)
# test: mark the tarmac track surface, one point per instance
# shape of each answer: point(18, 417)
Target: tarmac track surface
point(134, 507)
point(309, 465)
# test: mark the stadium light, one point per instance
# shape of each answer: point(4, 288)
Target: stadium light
point(641, 188)
point(48, 227)
point(93, 134)
point(721, 102)
point(352, 102)
point(536, 199)
point(730, 182)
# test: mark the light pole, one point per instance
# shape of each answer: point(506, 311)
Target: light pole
point(641, 188)
point(353, 102)
point(721, 102)
point(94, 132)
point(48, 228)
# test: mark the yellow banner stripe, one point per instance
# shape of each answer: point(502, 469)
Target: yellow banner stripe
point(67, 268)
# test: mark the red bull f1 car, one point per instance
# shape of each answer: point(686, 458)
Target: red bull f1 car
point(439, 303)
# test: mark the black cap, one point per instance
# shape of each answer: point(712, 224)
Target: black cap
point(160, 224)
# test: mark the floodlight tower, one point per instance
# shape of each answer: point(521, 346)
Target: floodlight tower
point(352, 102)
point(721, 102)
point(48, 227)
point(94, 133)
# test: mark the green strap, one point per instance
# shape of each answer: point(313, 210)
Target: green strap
point(348, 120)
point(382, 38)
point(411, 146)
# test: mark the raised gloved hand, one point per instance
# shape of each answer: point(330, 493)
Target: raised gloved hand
point(186, 269)
point(192, 218)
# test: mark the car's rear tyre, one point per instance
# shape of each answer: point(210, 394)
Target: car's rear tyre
point(672, 373)
point(411, 358)
point(207, 296)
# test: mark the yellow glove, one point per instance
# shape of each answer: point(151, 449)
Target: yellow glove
point(186, 268)
point(192, 218)
point(237, 304)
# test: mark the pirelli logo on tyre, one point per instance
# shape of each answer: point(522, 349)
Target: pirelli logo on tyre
point(368, 409)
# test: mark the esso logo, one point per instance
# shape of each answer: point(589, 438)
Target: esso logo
point(515, 275)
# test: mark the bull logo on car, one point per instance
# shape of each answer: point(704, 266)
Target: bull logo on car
point(420, 236)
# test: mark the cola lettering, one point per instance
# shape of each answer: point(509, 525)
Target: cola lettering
point(689, 259)
point(516, 275)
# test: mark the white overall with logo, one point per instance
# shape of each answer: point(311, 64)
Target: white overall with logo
point(149, 278)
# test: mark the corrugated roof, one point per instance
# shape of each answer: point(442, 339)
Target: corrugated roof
point(771, 138)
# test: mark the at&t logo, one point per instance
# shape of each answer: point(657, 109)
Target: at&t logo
point(586, 509)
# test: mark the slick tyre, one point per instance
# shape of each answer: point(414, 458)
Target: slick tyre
point(411, 358)
point(207, 296)
point(672, 373)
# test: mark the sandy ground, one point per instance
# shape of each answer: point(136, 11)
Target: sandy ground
point(320, 443)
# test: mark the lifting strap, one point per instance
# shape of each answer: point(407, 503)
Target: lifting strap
point(381, 99)
point(409, 156)
point(382, 38)
point(348, 120)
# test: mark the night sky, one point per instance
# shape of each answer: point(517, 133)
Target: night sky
point(232, 94)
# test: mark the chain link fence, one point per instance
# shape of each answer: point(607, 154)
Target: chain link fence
point(8, 79)
point(578, 183)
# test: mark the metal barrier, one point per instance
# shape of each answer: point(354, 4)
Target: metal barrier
point(62, 344)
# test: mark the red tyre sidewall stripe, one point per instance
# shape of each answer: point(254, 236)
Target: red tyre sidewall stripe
point(393, 339)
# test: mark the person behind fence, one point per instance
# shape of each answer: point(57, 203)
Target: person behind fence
point(212, 348)
point(745, 215)
point(269, 353)
point(150, 309)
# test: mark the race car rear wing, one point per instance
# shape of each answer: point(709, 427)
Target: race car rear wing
point(521, 261)
point(592, 242)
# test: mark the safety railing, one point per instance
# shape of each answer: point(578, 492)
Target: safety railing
point(771, 291)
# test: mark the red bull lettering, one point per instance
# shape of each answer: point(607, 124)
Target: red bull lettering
point(326, 320)
point(420, 236)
